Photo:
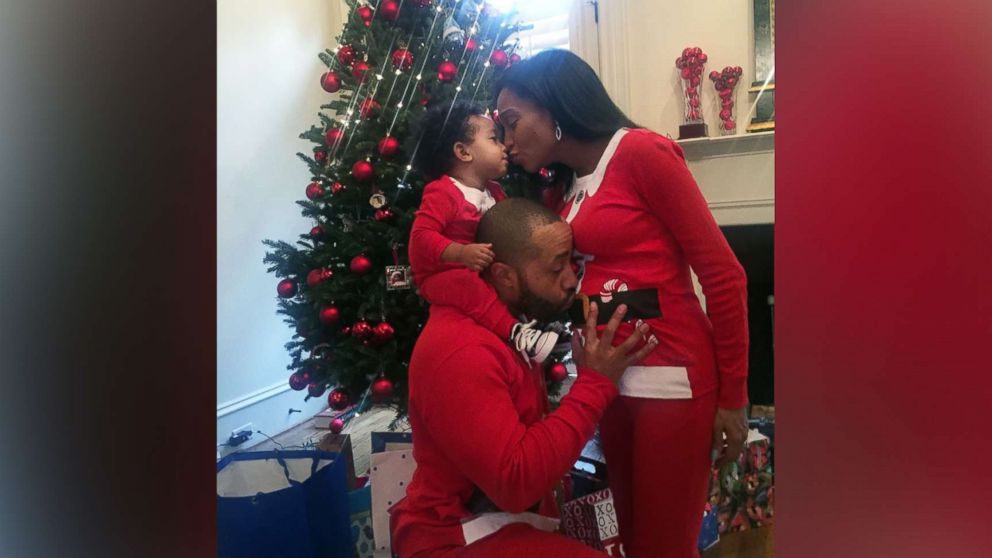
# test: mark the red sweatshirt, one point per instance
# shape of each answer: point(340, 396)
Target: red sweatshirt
point(445, 216)
point(640, 222)
point(479, 416)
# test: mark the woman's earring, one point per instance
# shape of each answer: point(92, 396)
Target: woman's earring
point(557, 131)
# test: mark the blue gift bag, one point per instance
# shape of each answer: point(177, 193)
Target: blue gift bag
point(291, 504)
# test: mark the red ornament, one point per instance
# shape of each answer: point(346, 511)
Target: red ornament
point(499, 59)
point(336, 426)
point(330, 82)
point(383, 332)
point(383, 215)
point(315, 190)
point(315, 389)
point(361, 330)
point(336, 188)
point(366, 14)
point(334, 136)
point(346, 55)
point(388, 147)
point(360, 70)
point(729, 124)
point(298, 382)
point(361, 265)
point(382, 390)
point(514, 58)
point(557, 372)
point(316, 232)
point(402, 59)
point(338, 399)
point(320, 155)
point(471, 44)
point(362, 171)
point(446, 71)
point(318, 276)
point(329, 315)
point(389, 10)
point(346, 330)
point(369, 108)
point(286, 288)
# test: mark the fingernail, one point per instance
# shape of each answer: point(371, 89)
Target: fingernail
point(622, 308)
point(639, 322)
point(653, 340)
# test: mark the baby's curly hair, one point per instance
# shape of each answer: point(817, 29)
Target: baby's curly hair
point(441, 127)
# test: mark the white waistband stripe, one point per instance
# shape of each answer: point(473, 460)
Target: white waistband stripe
point(656, 382)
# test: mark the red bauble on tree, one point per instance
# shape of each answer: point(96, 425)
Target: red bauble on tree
point(330, 82)
point(388, 147)
point(557, 372)
point(383, 214)
point(338, 399)
point(286, 288)
point(336, 425)
point(317, 232)
point(514, 58)
point(298, 382)
point(315, 389)
point(315, 191)
point(383, 332)
point(369, 108)
point(446, 71)
point(366, 14)
point(402, 59)
point(320, 155)
point(360, 70)
point(389, 10)
point(318, 276)
point(346, 55)
point(382, 390)
point(471, 44)
point(499, 59)
point(334, 136)
point(336, 188)
point(329, 315)
point(361, 264)
point(361, 330)
point(362, 171)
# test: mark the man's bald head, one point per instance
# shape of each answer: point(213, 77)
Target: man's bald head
point(509, 226)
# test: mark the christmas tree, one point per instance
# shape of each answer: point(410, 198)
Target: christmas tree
point(345, 286)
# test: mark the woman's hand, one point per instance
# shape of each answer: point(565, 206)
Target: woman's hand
point(599, 354)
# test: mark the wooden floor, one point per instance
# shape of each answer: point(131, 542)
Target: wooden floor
point(757, 543)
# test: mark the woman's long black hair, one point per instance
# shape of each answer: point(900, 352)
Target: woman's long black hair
point(570, 90)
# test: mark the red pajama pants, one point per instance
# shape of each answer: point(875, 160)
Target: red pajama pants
point(462, 288)
point(658, 460)
point(519, 540)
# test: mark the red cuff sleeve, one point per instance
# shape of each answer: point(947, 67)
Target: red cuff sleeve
point(514, 464)
point(668, 189)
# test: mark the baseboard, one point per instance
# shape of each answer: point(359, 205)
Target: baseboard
point(271, 410)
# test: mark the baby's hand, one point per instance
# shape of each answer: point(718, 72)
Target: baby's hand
point(476, 256)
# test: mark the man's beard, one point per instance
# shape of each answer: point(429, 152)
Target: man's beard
point(541, 309)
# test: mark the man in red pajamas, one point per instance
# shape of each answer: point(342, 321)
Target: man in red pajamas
point(489, 454)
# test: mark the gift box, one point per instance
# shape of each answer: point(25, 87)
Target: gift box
point(592, 519)
point(360, 507)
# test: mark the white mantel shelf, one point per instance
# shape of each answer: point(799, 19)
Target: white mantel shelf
point(728, 146)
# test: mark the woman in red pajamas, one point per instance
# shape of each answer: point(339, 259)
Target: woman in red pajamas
point(640, 223)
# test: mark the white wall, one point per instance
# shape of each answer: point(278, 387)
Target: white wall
point(267, 93)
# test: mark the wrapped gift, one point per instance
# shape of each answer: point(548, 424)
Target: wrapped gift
point(390, 474)
point(592, 519)
point(709, 533)
point(360, 506)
